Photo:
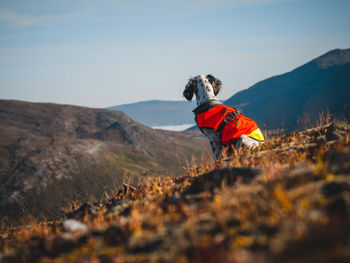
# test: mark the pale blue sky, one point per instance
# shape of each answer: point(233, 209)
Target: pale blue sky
point(104, 53)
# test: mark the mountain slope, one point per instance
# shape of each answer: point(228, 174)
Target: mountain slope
point(52, 154)
point(323, 83)
point(159, 113)
point(287, 201)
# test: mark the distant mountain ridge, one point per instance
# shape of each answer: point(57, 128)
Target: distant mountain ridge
point(52, 155)
point(159, 112)
point(319, 85)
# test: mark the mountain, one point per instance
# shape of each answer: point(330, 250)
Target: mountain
point(158, 112)
point(300, 95)
point(52, 155)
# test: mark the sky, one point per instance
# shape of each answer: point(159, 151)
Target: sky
point(105, 53)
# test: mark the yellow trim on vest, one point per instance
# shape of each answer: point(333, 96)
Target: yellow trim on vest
point(256, 135)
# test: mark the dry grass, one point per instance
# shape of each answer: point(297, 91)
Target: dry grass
point(294, 211)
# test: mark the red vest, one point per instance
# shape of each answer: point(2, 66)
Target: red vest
point(234, 129)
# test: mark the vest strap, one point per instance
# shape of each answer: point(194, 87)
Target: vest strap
point(230, 118)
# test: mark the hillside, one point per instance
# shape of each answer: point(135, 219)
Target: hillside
point(159, 113)
point(319, 85)
point(287, 201)
point(51, 155)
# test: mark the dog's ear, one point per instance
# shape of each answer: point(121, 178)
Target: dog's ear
point(215, 82)
point(189, 89)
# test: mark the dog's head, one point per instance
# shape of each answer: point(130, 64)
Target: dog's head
point(202, 85)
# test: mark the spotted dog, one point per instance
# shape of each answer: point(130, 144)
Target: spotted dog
point(224, 126)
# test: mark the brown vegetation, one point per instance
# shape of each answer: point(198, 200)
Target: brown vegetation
point(287, 201)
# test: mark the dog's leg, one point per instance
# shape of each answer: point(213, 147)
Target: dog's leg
point(245, 141)
point(218, 151)
point(217, 147)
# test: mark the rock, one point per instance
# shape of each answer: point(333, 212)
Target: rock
point(208, 225)
point(115, 234)
point(332, 188)
point(311, 147)
point(120, 207)
point(333, 133)
point(338, 199)
point(232, 222)
point(339, 162)
point(268, 230)
point(72, 225)
point(58, 245)
point(300, 175)
point(144, 243)
point(321, 139)
point(338, 209)
point(87, 208)
point(312, 132)
point(218, 177)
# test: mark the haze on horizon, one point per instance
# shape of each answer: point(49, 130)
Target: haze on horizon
point(105, 53)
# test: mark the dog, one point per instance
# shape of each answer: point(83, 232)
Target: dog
point(225, 127)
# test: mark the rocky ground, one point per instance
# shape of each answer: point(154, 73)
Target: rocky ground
point(288, 201)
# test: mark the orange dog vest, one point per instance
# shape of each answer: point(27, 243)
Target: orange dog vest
point(228, 121)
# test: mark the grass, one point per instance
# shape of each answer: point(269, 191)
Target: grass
point(295, 211)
